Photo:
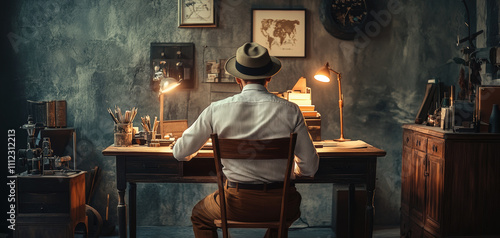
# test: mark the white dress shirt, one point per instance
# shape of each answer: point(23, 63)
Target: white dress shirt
point(255, 113)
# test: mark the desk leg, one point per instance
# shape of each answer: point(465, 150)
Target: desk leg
point(370, 192)
point(121, 185)
point(351, 210)
point(132, 192)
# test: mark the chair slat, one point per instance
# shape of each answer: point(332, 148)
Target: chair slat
point(254, 149)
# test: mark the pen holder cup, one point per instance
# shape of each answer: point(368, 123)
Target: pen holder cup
point(123, 134)
point(150, 136)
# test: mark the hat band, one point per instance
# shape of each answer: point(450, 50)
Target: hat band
point(254, 71)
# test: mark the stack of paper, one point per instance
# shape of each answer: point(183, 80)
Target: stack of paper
point(301, 95)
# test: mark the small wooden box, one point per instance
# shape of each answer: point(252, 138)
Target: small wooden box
point(314, 127)
point(174, 127)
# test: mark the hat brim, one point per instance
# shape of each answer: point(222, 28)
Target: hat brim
point(231, 69)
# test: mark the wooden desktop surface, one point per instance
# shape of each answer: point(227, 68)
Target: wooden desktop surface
point(141, 150)
point(143, 164)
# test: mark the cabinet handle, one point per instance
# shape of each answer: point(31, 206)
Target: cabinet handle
point(434, 148)
point(426, 174)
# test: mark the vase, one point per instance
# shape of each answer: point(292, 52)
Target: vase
point(494, 120)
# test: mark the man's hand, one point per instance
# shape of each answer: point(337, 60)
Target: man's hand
point(172, 145)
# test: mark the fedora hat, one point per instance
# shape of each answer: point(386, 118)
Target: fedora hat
point(251, 62)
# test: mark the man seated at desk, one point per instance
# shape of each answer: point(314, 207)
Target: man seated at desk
point(255, 113)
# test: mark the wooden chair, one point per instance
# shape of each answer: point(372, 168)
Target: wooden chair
point(281, 148)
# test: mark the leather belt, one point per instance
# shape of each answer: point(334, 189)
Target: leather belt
point(259, 186)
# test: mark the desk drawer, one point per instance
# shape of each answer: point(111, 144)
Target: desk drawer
point(161, 166)
point(333, 167)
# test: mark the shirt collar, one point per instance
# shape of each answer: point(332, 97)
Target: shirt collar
point(254, 86)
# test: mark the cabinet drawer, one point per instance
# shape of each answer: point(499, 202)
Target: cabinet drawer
point(407, 138)
point(46, 202)
point(420, 142)
point(435, 147)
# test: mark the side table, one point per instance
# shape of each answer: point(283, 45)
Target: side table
point(50, 205)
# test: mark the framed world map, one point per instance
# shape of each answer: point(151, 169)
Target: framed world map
point(281, 31)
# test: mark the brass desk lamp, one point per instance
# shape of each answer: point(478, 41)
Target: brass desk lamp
point(166, 84)
point(323, 75)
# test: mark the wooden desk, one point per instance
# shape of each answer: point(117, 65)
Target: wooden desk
point(141, 164)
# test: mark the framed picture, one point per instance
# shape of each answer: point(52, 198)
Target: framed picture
point(197, 13)
point(281, 31)
point(212, 69)
point(225, 77)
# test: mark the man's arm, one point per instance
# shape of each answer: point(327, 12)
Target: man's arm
point(194, 137)
point(306, 157)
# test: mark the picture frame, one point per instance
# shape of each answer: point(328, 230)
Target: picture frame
point(225, 77)
point(216, 73)
point(291, 42)
point(212, 70)
point(199, 13)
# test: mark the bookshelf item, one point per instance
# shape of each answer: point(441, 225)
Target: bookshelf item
point(431, 96)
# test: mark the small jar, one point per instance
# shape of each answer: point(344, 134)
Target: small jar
point(123, 134)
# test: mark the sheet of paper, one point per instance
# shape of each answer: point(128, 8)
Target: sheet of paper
point(345, 144)
point(352, 144)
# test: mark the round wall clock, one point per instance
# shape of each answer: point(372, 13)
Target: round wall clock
point(341, 17)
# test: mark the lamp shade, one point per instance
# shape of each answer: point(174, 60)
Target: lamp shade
point(167, 84)
point(323, 74)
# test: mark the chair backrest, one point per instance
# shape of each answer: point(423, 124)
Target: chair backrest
point(279, 148)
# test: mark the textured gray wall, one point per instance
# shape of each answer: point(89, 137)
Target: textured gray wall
point(95, 55)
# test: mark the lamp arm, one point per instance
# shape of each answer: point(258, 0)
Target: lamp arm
point(339, 79)
point(161, 115)
point(341, 105)
point(337, 73)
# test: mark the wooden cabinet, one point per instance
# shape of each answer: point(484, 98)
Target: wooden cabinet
point(450, 183)
point(50, 205)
